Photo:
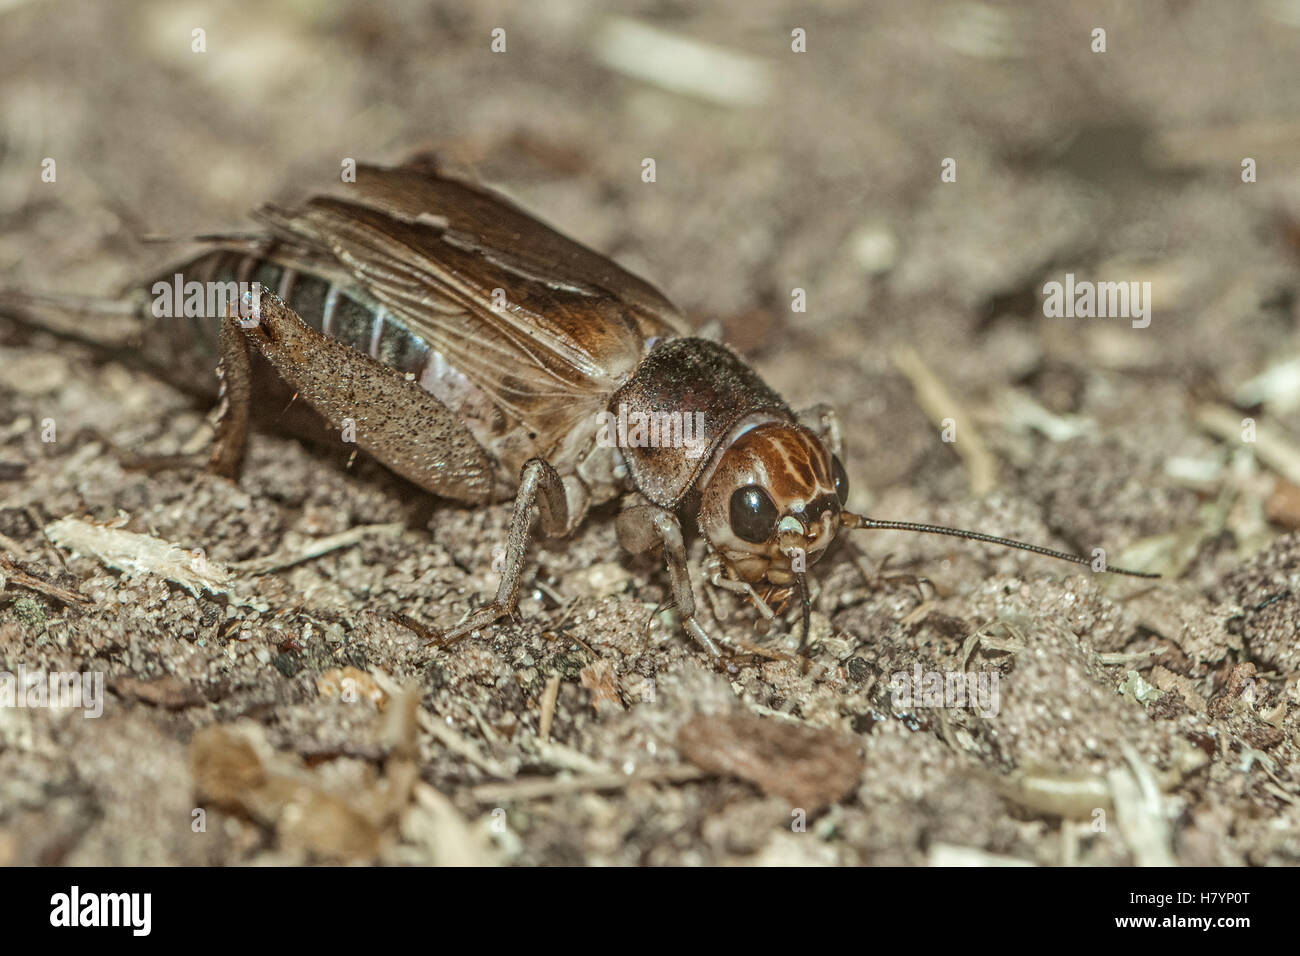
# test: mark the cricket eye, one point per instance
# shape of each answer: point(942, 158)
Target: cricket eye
point(753, 516)
point(841, 480)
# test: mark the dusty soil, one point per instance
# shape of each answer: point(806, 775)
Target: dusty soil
point(1136, 721)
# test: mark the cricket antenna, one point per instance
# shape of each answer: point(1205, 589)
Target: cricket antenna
point(850, 520)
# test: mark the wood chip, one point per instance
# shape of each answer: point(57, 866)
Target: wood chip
point(549, 698)
point(235, 771)
point(598, 677)
point(1271, 445)
point(681, 64)
point(1283, 505)
point(1139, 808)
point(134, 553)
point(809, 766)
point(170, 692)
point(351, 686)
point(13, 574)
point(945, 855)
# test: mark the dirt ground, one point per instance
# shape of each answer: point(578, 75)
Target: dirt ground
point(268, 687)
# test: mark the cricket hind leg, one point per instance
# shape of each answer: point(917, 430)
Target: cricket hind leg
point(230, 419)
point(235, 402)
point(116, 327)
point(371, 405)
point(402, 426)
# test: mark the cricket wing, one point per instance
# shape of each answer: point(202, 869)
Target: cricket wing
point(481, 282)
point(477, 217)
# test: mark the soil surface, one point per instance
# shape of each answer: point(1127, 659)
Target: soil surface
point(921, 172)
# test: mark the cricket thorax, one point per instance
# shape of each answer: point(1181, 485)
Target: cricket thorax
point(678, 408)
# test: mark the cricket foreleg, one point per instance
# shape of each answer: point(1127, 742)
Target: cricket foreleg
point(642, 528)
point(878, 577)
point(823, 421)
point(715, 570)
point(538, 484)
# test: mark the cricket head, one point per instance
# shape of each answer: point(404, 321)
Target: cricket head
point(774, 498)
point(771, 504)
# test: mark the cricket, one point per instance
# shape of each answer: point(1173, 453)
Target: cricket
point(485, 357)
point(563, 434)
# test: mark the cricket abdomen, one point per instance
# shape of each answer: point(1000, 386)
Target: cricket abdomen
point(185, 325)
point(336, 309)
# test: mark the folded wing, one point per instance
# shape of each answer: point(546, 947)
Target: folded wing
point(544, 326)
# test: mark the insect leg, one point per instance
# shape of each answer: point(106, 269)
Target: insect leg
point(823, 421)
point(538, 484)
point(233, 412)
point(235, 407)
point(711, 330)
point(402, 426)
point(714, 569)
point(642, 528)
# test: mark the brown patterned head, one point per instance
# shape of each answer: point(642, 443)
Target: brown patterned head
point(771, 505)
